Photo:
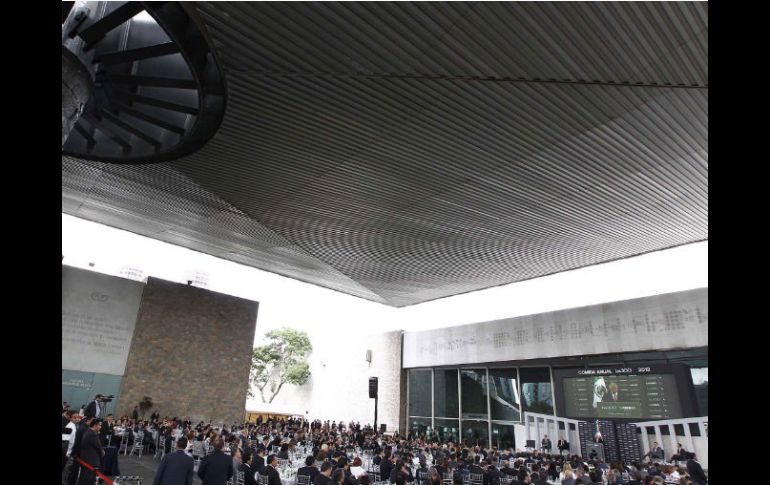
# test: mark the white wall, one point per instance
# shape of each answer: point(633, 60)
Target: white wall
point(339, 385)
point(672, 320)
point(98, 317)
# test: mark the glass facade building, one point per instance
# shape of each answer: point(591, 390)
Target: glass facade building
point(478, 405)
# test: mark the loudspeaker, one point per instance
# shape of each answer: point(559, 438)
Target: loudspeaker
point(372, 387)
point(383, 428)
point(530, 443)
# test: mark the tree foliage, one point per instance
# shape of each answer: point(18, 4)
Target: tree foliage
point(280, 361)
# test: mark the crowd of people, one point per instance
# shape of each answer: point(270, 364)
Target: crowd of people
point(341, 454)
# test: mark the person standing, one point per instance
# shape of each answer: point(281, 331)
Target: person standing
point(695, 470)
point(248, 472)
point(82, 426)
point(545, 444)
point(68, 438)
point(271, 470)
point(216, 468)
point(176, 468)
point(94, 408)
point(91, 452)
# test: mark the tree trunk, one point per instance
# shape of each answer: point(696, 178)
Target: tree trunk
point(277, 391)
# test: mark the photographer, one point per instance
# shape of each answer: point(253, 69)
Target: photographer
point(96, 407)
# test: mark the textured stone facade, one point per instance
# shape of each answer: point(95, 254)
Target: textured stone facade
point(191, 353)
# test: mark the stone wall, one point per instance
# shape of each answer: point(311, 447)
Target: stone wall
point(191, 353)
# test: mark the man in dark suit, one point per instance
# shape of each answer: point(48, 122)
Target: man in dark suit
point(656, 452)
point(349, 478)
point(493, 475)
point(216, 468)
point(91, 452)
point(545, 444)
point(108, 428)
point(475, 468)
point(562, 445)
point(94, 408)
point(507, 470)
point(324, 476)
point(175, 468)
point(386, 466)
point(82, 427)
point(248, 472)
point(259, 460)
point(695, 471)
point(271, 470)
point(309, 469)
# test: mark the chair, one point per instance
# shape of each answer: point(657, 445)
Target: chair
point(448, 478)
point(262, 479)
point(476, 479)
point(138, 446)
point(283, 463)
point(161, 450)
point(236, 479)
point(375, 473)
point(303, 479)
point(123, 443)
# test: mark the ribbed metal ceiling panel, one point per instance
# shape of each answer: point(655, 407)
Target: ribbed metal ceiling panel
point(404, 152)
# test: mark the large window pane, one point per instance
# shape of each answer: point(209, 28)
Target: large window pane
point(419, 393)
point(700, 379)
point(536, 393)
point(503, 436)
point(419, 427)
point(474, 387)
point(448, 429)
point(475, 432)
point(504, 394)
point(445, 393)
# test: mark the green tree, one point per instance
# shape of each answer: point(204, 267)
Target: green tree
point(282, 360)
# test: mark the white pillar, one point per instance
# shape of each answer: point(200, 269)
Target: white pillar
point(688, 438)
point(644, 441)
point(672, 439)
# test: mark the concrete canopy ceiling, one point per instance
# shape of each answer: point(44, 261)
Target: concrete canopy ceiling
point(403, 152)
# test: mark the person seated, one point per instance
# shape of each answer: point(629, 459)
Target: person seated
point(309, 469)
point(655, 453)
point(284, 453)
point(323, 477)
point(569, 478)
point(681, 453)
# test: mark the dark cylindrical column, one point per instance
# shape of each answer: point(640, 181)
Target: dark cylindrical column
point(76, 88)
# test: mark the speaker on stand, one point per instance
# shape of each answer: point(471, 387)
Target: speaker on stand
point(373, 384)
